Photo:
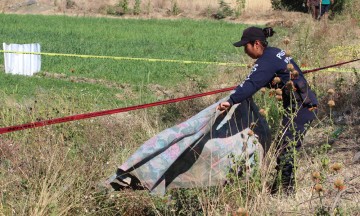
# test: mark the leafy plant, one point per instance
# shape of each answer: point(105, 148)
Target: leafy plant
point(137, 7)
point(224, 10)
point(175, 10)
point(240, 6)
point(124, 4)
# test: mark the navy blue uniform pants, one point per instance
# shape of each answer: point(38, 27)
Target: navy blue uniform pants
point(293, 135)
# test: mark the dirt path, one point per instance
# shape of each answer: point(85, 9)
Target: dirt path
point(264, 16)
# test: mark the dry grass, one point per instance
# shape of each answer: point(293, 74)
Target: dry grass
point(154, 8)
point(56, 169)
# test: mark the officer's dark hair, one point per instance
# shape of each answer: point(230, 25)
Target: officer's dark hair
point(268, 32)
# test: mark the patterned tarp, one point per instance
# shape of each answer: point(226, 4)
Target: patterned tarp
point(196, 153)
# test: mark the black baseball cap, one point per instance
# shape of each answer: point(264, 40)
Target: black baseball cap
point(251, 34)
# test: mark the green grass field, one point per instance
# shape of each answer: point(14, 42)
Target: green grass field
point(95, 83)
point(208, 41)
point(91, 81)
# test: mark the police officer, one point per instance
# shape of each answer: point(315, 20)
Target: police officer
point(273, 68)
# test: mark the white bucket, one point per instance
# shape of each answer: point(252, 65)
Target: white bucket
point(22, 64)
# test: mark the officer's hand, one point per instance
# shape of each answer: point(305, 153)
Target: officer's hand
point(223, 106)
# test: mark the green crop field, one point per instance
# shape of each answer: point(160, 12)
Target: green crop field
point(205, 41)
point(92, 84)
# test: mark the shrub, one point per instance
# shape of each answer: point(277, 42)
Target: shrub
point(70, 4)
point(224, 10)
point(175, 10)
point(124, 4)
point(291, 5)
point(137, 9)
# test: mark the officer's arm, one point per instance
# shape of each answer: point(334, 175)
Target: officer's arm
point(261, 75)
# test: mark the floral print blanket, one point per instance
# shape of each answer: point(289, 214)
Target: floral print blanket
point(199, 152)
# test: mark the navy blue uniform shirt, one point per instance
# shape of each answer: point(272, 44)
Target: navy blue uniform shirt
point(273, 63)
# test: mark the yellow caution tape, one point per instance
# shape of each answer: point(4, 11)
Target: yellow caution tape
point(162, 60)
point(335, 69)
point(127, 58)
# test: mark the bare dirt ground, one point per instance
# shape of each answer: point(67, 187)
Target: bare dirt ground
point(160, 10)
